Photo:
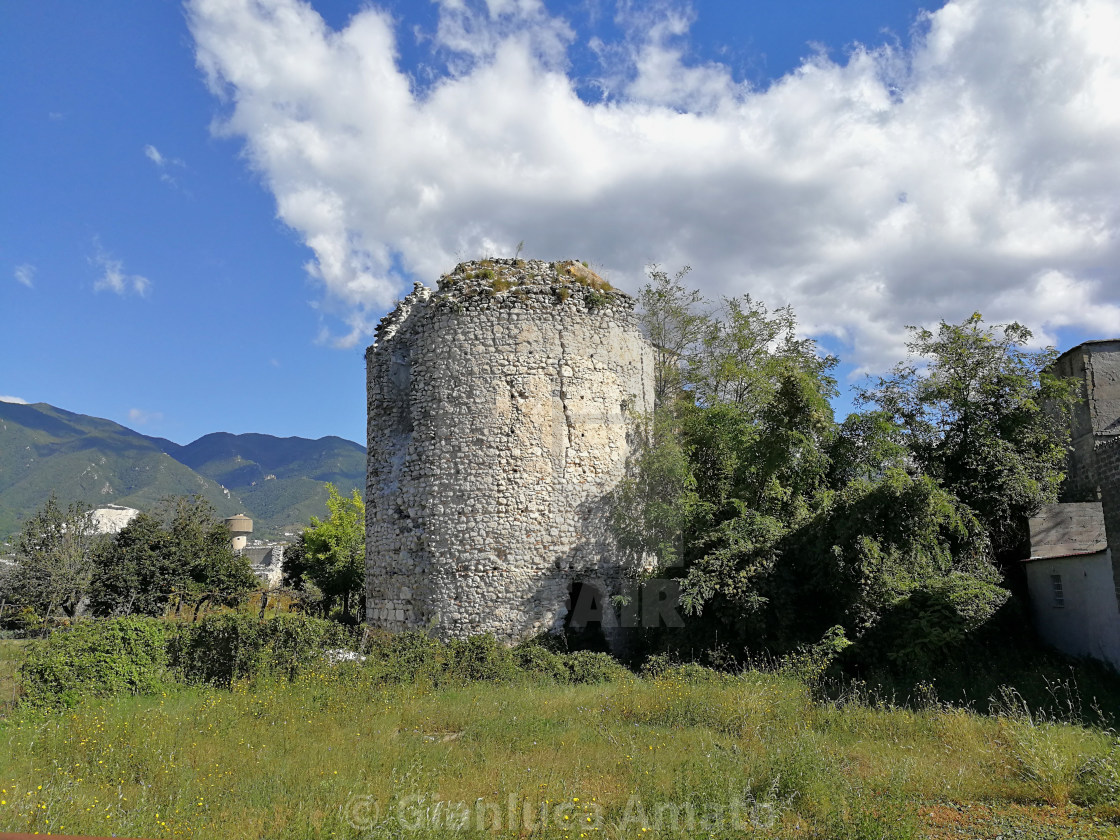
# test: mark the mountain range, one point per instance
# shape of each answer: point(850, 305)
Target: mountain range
point(279, 482)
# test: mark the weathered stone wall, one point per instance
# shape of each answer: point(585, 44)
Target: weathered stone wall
point(1107, 468)
point(1094, 462)
point(1096, 416)
point(499, 421)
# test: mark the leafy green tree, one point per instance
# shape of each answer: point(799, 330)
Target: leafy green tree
point(744, 351)
point(294, 565)
point(137, 573)
point(54, 559)
point(669, 315)
point(793, 528)
point(650, 508)
point(180, 554)
point(761, 472)
point(978, 412)
point(739, 452)
point(296, 577)
point(335, 551)
point(200, 544)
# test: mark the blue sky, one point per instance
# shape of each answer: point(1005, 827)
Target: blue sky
point(206, 207)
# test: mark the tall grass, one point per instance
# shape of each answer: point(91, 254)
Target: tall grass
point(345, 752)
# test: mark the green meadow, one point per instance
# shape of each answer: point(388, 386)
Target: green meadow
point(394, 748)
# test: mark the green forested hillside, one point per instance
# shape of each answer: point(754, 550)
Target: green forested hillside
point(279, 482)
point(325, 459)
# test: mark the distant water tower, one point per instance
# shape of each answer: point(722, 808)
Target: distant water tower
point(240, 527)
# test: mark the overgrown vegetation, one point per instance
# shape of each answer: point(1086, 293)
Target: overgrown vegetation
point(97, 658)
point(328, 559)
point(890, 533)
point(101, 658)
point(423, 739)
point(175, 557)
point(843, 581)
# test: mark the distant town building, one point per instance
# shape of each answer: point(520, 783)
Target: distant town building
point(240, 527)
point(266, 559)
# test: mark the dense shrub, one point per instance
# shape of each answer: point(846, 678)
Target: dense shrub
point(666, 666)
point(409, 657)
point(585, 666)
point(538, 662)
point(96, 658)
point(139, 655)
point(929, 624)
point(480, 658)
point(405, 657)
point(229, 646)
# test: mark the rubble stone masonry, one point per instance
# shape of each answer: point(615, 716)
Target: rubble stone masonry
point(1107, 458)
point(501, 410)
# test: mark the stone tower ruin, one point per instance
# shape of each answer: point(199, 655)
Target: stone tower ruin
point(500, 418)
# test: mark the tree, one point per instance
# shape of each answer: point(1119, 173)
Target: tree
point(200, 544)
point(54, 559)
point(742, 354)
point(137, 573)
point(651, 505)
point(335, 550)
point(294, 565)
point(793, 528)
point(296, 576)
point(179, 553)
point(668, 315)
point(737, 457)
point(978, 412)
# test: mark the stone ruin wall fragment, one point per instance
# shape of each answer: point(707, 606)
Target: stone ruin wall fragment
point(499, 410)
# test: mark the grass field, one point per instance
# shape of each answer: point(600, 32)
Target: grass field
point(334, 754)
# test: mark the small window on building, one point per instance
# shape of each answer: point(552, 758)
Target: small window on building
point(1056, 591)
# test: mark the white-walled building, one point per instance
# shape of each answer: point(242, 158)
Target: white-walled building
point(1069, 577)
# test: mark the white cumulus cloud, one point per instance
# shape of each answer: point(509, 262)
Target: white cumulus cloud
point(976, 169)
point(16, 400)
point(113, 277)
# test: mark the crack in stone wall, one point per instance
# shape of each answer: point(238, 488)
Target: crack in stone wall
point(564, 396)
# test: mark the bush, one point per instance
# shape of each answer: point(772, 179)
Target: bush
point(96, 658)
point(811, 663)
point(406, 657)
point(585, 666)
point(480, 658)
point(538, 662)
point(229, 646)
point(666, 666)
point(412, 656)
point(944, 621)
